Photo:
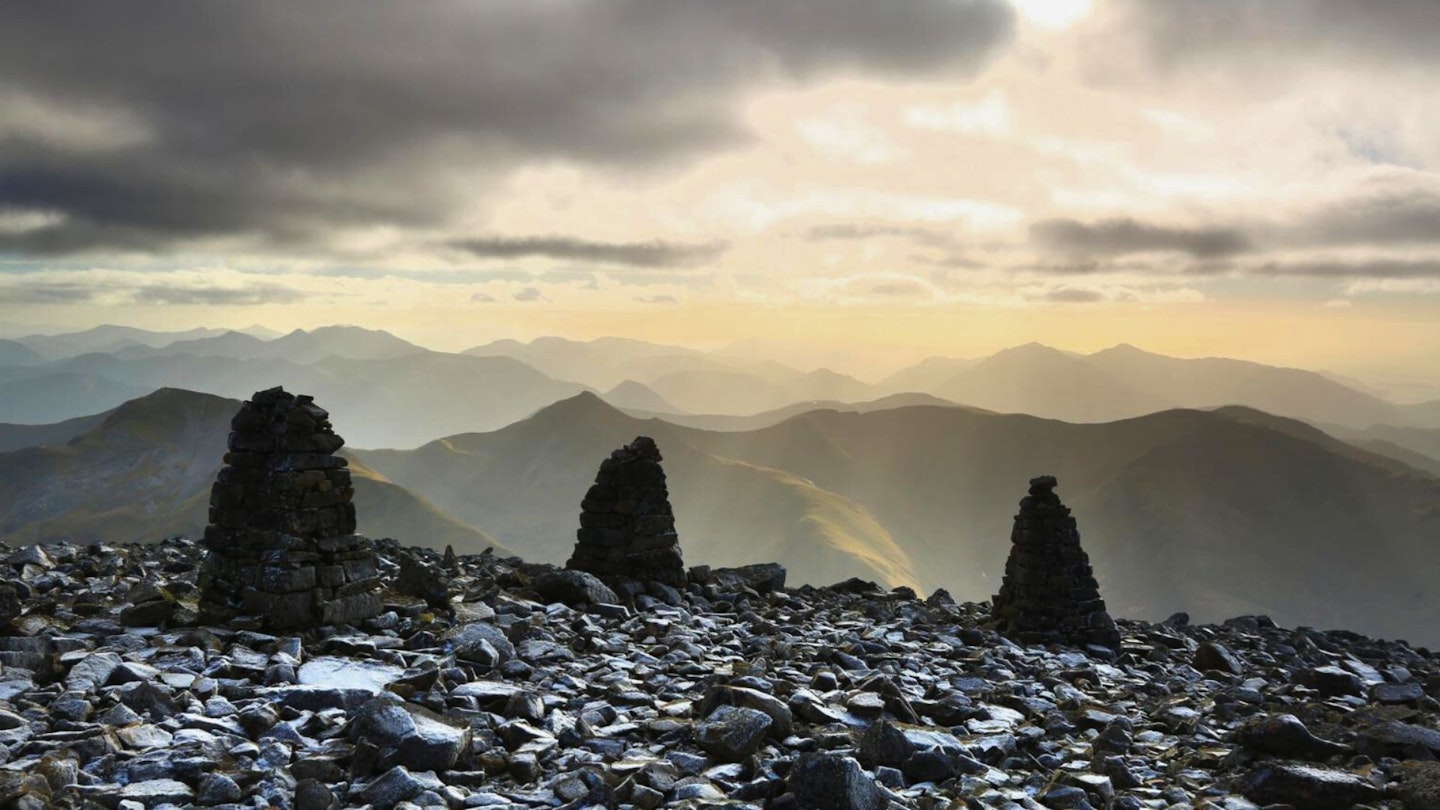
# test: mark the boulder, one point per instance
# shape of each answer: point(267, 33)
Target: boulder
point(733, 733)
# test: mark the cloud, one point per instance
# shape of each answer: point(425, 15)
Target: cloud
point(128, 290)
point(1073, 295)
point(252, 295)
point(282, 122)
point(56, 292)
point(886, 286)
point(483, 298)
point(1391, 216)
point(848, 231)
point(1199, 32)
point(1358, 268)
point(658, 299)
point(1114, 237)
point(635, 254)
point(528, 294)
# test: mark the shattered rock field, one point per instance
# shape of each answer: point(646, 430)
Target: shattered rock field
point(733, 691)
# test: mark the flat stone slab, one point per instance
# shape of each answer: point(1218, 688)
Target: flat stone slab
point(347, 673)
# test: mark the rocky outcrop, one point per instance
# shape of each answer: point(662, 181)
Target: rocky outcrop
point(1049, 592)
point(283, 552)
point(627, 529)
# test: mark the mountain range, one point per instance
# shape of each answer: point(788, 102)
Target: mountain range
point(396, 394)
point(401, 395)
point(1217, 512)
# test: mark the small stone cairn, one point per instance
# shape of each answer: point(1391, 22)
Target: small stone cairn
point(627, 529)
point(281, 541)
point(1049, 593)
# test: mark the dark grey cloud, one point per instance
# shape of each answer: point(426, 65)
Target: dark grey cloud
point(282, 121)
point(1116, 237)
point(1391, 217)
point(80, 292)
point(635, 254)
point(1377, 268)
point(528, 294)
point(47, 292)
point(1179, 33)
point(250, 295)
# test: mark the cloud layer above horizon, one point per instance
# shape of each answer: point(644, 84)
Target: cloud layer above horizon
point(604, 155)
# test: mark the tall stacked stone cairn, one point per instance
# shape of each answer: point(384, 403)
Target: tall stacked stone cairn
point(281, 541)
point(627, 529)
point(1049, 593)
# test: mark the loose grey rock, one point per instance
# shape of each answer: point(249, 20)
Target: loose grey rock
point(482, 643)
point(1285, 736)
point(397, 785)
point(1307, 786)
point(733, 733)
point(575, 588)
point(822, 781)
point(1215, 657)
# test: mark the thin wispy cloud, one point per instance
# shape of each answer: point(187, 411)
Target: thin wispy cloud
point(654, 254)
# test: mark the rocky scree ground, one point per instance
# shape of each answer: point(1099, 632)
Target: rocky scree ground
point(535, 688)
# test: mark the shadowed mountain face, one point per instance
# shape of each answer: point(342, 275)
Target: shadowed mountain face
point(1217, 513)
point(16, 437)
point(144, 471)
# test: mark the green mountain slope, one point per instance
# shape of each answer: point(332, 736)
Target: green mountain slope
point(1217, 513)
point(524, 484)
point(144, 472)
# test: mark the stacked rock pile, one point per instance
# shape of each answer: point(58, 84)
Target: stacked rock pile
point(627, 529)
point(281, 538)
point(1049, 592)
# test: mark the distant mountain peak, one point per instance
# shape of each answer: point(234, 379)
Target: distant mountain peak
point(584, 404)
point(1125, 350)
point(1031, 348)
point(638, 396)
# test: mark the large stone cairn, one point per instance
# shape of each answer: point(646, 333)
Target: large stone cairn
point(627, 529)
point(281, 540)
point(1049, 593)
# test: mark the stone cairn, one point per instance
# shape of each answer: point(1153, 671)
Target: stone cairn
point(627, 529)
point(1049, 593)
point(281, 540)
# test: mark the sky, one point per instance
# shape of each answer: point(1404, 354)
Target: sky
point(832, 181)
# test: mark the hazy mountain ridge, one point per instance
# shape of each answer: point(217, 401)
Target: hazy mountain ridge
point(1177, 486)
point(396, 394)
point(1180, 510)
point(384, 375)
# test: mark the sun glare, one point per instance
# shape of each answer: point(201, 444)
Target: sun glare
point(1054, 14)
